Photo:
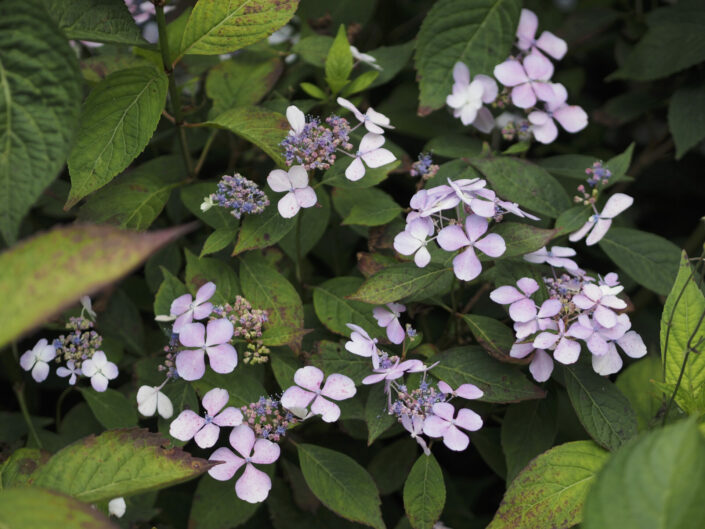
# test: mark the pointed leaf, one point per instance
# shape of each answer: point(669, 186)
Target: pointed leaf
point(424, 493)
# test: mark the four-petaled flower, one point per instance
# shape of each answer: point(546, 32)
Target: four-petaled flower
point(521, 307)
point(571, 117)
point(599, 223)
point(547, 42)
point(70, 370)
point(373, 120)
point(394, 370)
point(466, 265)
point(99, 370)
point(151, 400)
point(254, 485)
point(362, 345)
point(528, 79)
point(37, 360)
point(442, 424)
point(389, 318)
point(413, 241)
point(557, 257)
point(298, 193)
point(467, 98)
point(212, 340)
point(464, 391)
point(602, 301)
point(372, 153)
point(309, 378)
point(186, 309)
point(206, 430)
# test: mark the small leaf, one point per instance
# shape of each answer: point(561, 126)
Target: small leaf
point(339, 62)
point(263, 230)
point(84, 258)
point(377, 417)
point(360, 83)
point(220, 239)
point(111, 408)
point(217, 27)
point(602, 409)
point(405, 280)
point(551, 491)
point(365, 207)
point(686, 117)
point(341, 484)
point(117, 121)
point(118, 463)
point(334, 310)
point(424, 493)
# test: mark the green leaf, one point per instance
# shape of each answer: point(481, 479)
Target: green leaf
point(479, 34)
point(117, 121)
point(526, 184)
point(673, 42)
point(360, 83)
point(313, 90)
point(242, 387)
point(18, 469)
point(170, 289)
point(218, 240)
point(365, 207)
point(217, 27)
point(243, 80)
point(686, 117)
point(216, 217)
point(111, 408)
point(648, 259)
point(404, 281)
point(118, 463)
point(314, 223)
point(40, 90)
point(84, 259)
point(339, 62)
point(215, 505)
point(377, 417)
point(682, 328)
point(263, 230)
point(267, 289)
point(572, 219)
point(522, 238)
point(424, 493)
point(391, 465)
point(284, 366)
point(334, 310)
point(635, 383)
point(96, 20)
point(551, 491)
point(500, 382)
point(392, 60)
point(658, 482)
point(341, 484)
point(313, 49)
point(574, 165)
point(332, 358)
point(602, 409)
point(261, 127)
point(135, 199)
point(492, 335)
point(453, 146)
point(34, 508)
point(528, 429)
point(201, 270)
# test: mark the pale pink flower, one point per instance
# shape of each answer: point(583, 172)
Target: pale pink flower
point(373, 120)
point(541, 365)
point(308, 389)
point(69, 371)
point(557, 257)
point(471, 191)
point(393, 370)
point(362, 345)
point(565, 350)
point(599, 223)
point(464, 391)
point(466, 265)
point(186, 309)
point(443, 424)
point(151, 400)
point(389, 318)
point(571, 117)
point(529, 79)
point(206, 430)
point(212, 340)
point(413, 240)
point(298, 193)
point(594, 297)
point(547, 42)
point(372, 153)
point(521, 307)
point(541, 322)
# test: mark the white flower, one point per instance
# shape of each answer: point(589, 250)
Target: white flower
point(99, 370)
point(372, 153)
point(374, 121)
point(364, 57)
point(467, 98)
point(298, 193)
point(37, 360)
point(599, 223)
point(296, 119)
point(151, 400)
point(117, 507)
point(69, 370)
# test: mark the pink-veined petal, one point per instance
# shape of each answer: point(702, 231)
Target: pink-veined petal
point(567, 351)
point(545, 340)
point(468, 419)
point(522, 310)
point(374, 378)
point(510, 73)
point(181, 304)
point(193, 335)
point(605, 316)
point(444, 410)
point(616, 204)
point(242, 439)
point(253, 486)
point(306, 197)
point(278, 180)
point(541, 366)
point(222, 358)
point(218, 332)
point(207, 436)
point(544, 91)
point(452, 238)
point(422, 257)
point(383, 316)
point(455, 439)
point(339, 387)
point(538, 67)
point(295, 397)
point(190, 364)
point(182, 321)
point(475, 227)
point(435, 426)
point(526, 30)
point(203, 310)
point(215, 400)
point(550, 308)
point(355, 170)
point(520, 350)
point(466, 265)
point(230, 463)
point(288, 206)
point(309, 377)
point(468, 391)
point(228, 417)
point(265, 452)
point(632, 344)
point(328, 411)
point(395, 332)
point(546, 132)
point(505, 295)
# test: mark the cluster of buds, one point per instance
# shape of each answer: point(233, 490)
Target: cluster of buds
point(268, 418)
point(238, 195)
point(315, 144)
point(424, 167)
point(247, 326)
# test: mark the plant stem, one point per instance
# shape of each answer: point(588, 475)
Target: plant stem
point(58, 406)
point(298, 250)
point(174, 94)
point(19, 393)
point(204, 152)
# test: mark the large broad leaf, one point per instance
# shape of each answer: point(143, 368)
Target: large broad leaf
point(524, 183)
point(334, 310)
point(683, 330)
point(341, 484)
point(265, 229)
point(391, 465)
point(17, 470)
point(264, 128)
point(96, 20)
point(201, 270)
point(673, 42)
point(244, 80)
point(602, 409)
point(84, 258)
point(499, 382)
point(479, 34)
point(522, 238)
point(118, 463)
point(424, 493)
point(686, 117)
point(655, 482)
point(135, 199)
point(404, 281)
point(216, 27)
point(33, 508)
point(492, 335)
point(117, 121)
point(365, 207)
point(215, 505)
point(377, 415)
point(314, 223)
point(40, 90)
point(650, 260)
point(528, 429)
point(635, 382)
point(551, 491)
point(111, 408)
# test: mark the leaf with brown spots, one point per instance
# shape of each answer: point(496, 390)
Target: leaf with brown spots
point(118, 463)
point(52, 270)
point(17, 470)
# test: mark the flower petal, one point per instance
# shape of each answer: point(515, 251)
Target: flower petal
point(222, 358)
point(253, 486)
point(435, 426)
point(295, 397)
point(218, 332)
point(228, 467)
point(466, 265)
point(193, 335)
point(265, 452)
point(510, 73)
point(523, 96)
point(287, 206)
point(190, 364)
point(355, 170)
point(541, 366)
point(468, 419)
point(242, 439)
point(207, 436)
point(505, 295)
point(395, 332)
point(298, 177)
point(338, 387)
point(468, 391)
point(522, 310)
point(455, 439)
point(278, 180)
point(632, 344)
point(609, 363)
point(98, 381)
point(306, 197)
point(309, 377)
point(328, 411)
point(181, 305)
point(40, 372)
point(452, 238)
point(554, 46)
point(185, 426)
point(567, 351)
point(205, 292)
point(228, 417)
point(215, 400)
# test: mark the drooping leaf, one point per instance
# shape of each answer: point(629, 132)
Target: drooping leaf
point(111, 408)
point(551, 491)
point(402, 281)
point(220, 239)
point(40, 90)
point(25, 508)
point(686, 117)
point(424, 493)
point(655, 482)
point(341, 484)
point(602, 409)
point(334, 310)
point(479, 34)
point(217, 27)
point(136, 198)
point(500, 382)
point(118, 463)
point(649, 259)
point(263, 128)
point(117, 121)
point(84, 258)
